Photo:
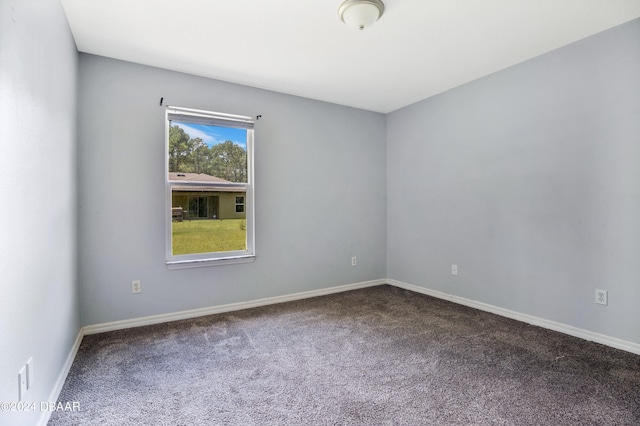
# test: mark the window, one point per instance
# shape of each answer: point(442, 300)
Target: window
point(209, 181)
point(239, 204)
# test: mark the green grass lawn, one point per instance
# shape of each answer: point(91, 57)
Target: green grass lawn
point(205, 236)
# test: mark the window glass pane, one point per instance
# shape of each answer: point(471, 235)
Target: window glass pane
point(218, 152)
point(211, 223)
point(207, 210)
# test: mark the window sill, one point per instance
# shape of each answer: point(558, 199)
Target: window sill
point(202, 263)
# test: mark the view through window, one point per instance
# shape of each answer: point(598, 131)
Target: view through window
point(209, 180)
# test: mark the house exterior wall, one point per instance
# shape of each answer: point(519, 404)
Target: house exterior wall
point(226, 208)
point(228, 205)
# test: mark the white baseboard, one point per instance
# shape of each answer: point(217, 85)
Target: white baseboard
point(529, 319)
point(57, 387)
point(194, 313)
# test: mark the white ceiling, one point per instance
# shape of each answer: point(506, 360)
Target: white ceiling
point(418, 48)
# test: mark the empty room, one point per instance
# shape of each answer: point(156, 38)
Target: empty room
point(360, 212)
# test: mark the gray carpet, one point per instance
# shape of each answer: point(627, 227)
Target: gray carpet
point(375, 356)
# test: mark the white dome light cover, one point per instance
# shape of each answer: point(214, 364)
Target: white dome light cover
point(360, 13)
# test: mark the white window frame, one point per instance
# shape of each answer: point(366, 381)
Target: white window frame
point(215, 258)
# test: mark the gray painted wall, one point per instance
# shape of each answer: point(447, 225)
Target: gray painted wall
point(320, 193)
point(529, 180)
point(38, 301)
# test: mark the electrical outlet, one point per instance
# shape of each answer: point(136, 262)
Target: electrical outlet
point(354, 261)
point(136, 287)
point(454, 269)
point(22, 383)
point(602, 297)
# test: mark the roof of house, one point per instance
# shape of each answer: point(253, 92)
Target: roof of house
point(206, 183)
point(195, 177)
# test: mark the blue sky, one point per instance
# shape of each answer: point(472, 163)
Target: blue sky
point(213, 135)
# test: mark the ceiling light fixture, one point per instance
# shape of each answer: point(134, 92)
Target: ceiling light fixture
point(360, 13)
